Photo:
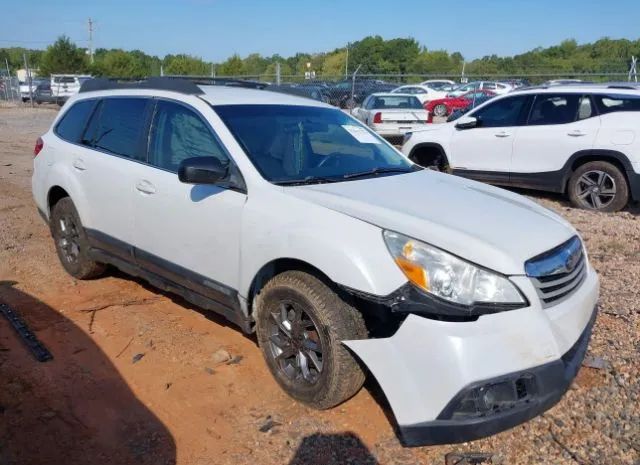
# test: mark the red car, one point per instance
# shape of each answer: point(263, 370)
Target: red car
point(445, 106)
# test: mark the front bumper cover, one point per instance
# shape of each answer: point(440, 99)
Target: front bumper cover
point(429, 364)
point(552, 381)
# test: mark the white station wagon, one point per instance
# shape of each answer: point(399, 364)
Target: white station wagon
point(471, 306)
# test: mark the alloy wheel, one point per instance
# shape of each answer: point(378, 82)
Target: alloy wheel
point(295, 343)
point(596, 189)
point(69, 239)
point(440, 110)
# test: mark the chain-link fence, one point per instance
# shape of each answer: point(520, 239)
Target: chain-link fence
point(347, 92)
point(9, 89)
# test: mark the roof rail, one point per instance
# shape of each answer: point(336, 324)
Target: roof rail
point(182, 84)
point(630, 86)
point(160, 83)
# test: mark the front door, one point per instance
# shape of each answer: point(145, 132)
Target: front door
point(559, 126)
point(188, 233)
point(484, 152)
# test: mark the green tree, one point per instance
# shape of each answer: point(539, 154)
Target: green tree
point(233, 66)
point(63, 57)
point(334, 64)
point(185, 65)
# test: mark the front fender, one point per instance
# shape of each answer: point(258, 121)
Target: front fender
point(350, 252)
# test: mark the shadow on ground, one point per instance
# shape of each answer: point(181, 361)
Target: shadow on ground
point(332, 449)
point(75, 408)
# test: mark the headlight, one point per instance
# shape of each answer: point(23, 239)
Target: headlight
point(448, 277)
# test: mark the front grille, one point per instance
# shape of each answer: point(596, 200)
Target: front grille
point(558, 273)
point(394, 140)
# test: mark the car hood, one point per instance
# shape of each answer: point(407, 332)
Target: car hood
point(485, 225)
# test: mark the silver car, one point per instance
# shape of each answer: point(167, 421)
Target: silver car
point(392, 115)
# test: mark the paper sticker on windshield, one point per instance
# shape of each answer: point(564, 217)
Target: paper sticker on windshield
point(360, 134)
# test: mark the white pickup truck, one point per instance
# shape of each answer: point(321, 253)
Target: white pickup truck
point(66, 85)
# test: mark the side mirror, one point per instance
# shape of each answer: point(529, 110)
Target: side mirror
point(467, 122)
point(202, 170)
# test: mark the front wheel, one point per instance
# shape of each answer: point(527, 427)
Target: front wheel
point(301, 324)
point(598, 185)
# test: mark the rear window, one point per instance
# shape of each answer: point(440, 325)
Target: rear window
point(611, 103)
point(117, 127)
point(64, 79)
point(73, 122)
point(394, 103)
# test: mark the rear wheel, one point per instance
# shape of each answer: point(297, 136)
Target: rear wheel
point(440, 110)
point(71, 241)
point(300, 325)
point(598, 185)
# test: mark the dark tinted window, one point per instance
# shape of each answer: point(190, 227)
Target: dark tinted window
point(502, 113)
point(179, 133)
point(74, 121)
point(392, 102)
point(554, 109)
point(117, 127)
point(611, 103)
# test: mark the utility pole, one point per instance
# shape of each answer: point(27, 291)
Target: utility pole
point(633, 70)
point(29, 80)
point(10, 86)
point(90, 40)
point(346, 63)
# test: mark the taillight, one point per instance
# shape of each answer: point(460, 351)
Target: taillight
point(38, 147)
point(377, 118)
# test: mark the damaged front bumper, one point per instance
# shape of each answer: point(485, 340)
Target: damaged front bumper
point(450, 382)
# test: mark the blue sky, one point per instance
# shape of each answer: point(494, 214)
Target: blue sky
point(215, 29)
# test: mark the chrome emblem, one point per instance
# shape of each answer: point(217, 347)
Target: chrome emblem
point(562, 259)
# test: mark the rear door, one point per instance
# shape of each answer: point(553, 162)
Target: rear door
point(484, 152)
point(113, 144)
point(558, 126)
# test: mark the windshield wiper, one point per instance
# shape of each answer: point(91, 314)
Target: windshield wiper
point(375, 171)
point(307, 180)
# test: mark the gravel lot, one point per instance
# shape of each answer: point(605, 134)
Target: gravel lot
point(140, 376)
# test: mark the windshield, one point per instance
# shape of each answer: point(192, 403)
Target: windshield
point(298, 144)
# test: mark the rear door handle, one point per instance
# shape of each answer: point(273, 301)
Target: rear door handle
point(576, 133)
point(145, 187)
point(502, 134)
point(78, 164)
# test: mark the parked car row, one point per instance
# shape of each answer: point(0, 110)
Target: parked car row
point(56, 89)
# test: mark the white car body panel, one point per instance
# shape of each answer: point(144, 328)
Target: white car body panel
point(423, 93)
point(402, 204)
point(467, 352)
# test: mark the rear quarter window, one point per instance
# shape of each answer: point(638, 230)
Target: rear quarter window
point(612, 103)
point(73, 122)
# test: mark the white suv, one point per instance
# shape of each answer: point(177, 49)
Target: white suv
point(472, 306)
point(581, 140)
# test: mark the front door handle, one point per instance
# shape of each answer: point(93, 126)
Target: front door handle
point(78, 164)
point(145, 187)
point(576, 133)
point(502, 134)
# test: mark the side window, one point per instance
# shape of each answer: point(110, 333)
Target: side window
point(73, 122)
point(502, 113)
point(554, 109)
point(117, 126)
point(179, 133)
point(489, 85)
point(610, 103)
point(367, 103)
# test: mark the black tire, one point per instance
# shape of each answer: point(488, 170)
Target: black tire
point(333, 321)
point(598, 185)
point(71, 241)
